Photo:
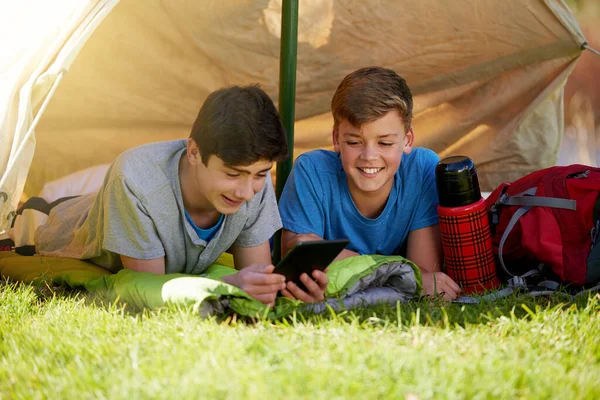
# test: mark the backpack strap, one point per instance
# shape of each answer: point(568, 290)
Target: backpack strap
point(511, 224)
point(588, 291)
point(529, 199)
point(495, 295)
point(526, 200)
point(517, 286)
point(596, 221)
point(539, 201)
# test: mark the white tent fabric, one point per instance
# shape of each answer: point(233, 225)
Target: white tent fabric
point(487, 75)
point(39, 43)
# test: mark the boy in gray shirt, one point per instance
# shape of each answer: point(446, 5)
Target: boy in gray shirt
point(176, 206)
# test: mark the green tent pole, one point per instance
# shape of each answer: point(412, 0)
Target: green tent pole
point(287, 94)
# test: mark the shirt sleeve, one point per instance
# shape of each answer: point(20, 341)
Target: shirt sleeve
point(302, 203)
point(265, 220)
point(128, 229)
point(426, 212)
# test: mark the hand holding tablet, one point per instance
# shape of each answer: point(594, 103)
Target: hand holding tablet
point(305, 257)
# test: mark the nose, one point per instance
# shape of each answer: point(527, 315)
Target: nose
point(369, 152)
point(244, 191)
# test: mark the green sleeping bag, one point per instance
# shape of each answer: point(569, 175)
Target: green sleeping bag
point(355, 281)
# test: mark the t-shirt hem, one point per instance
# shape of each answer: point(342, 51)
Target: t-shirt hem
point(297, 228)
point(425, 224)
point(257, 242)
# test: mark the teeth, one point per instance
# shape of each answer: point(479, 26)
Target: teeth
point(371, 170)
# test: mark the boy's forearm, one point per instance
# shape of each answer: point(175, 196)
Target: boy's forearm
point(424, 248)
point(244, 256)
point(289, 239)
point(345, 254)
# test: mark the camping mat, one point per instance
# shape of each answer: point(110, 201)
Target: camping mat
point(354, 281)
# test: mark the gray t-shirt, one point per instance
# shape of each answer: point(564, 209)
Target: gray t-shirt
point(139, 213)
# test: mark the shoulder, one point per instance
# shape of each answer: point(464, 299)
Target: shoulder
point(148, 154)
point(424, 156)
point(321, 161)
point(148, 167)
point(319, 170)
point(420, 161)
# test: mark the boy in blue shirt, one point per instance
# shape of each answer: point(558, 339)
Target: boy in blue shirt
point(374, 189)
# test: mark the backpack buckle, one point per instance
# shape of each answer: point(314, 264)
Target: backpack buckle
point(494, 212)
point(582, 174)
point(594, 232)
point(517, 282)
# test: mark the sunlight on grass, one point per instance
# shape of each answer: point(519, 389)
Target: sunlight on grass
point(62, 344)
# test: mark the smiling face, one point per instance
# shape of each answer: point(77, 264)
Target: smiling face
point(219, 187)
point(371, 154)
point(228, 187)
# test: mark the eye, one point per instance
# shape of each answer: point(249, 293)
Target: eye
point(261, 176)
point(387, 144)
point(351, 142)
point(232, 174)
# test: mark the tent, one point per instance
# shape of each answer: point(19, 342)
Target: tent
point(86, 79)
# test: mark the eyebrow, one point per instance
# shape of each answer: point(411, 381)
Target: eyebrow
point(245, 171)
point(385, 135)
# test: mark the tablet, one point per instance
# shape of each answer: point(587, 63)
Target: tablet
point(305, 257)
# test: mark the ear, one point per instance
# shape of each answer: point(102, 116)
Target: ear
point(336, 139)
point(408, 141)
point(193, 152)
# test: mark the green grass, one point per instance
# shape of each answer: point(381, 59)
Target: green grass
point(56, 343)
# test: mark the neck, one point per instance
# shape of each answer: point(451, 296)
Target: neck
point(202, 212)
point(370, 204)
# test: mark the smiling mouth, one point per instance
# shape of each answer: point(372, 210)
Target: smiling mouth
point(231, 202)
point(370, 171)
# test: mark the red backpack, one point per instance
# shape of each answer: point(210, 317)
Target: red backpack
point(549, 218)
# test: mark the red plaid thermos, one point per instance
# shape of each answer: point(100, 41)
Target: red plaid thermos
point(466, 235)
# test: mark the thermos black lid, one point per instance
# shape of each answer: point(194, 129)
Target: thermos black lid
point(457, 183)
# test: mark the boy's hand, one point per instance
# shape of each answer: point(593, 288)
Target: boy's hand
point(316, 288)
point(258, 281)
point(302, 237)
point(435, 283)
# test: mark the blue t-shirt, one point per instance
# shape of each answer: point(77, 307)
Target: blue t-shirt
point(204, 234)
point(316, 199)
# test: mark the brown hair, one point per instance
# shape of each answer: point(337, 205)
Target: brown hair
point(367, 94)
point(240, 125)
